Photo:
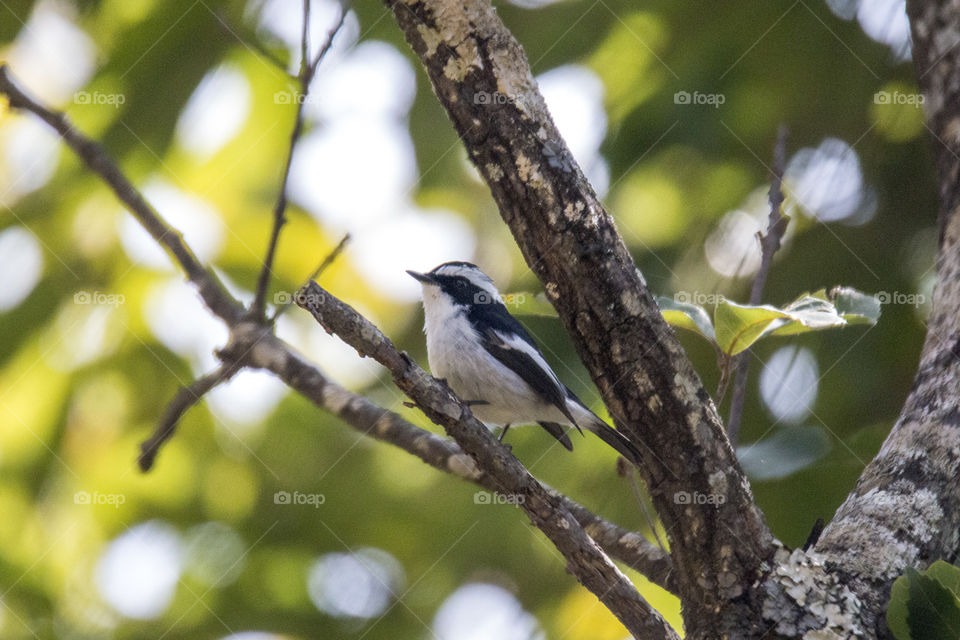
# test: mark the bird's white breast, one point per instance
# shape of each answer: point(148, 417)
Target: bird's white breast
point(456, 354)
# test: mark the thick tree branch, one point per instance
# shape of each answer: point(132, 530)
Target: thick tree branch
point(480, 75)
point(585, 559)
point(769, 245)
point(905, 510)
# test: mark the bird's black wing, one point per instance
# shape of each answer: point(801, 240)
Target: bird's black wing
point(492, 322)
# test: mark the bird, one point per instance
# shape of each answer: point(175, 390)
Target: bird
point(494, 365)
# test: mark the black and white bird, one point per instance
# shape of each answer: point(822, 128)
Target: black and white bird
point(492, 363)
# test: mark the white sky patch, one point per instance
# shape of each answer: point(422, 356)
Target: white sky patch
point(196, 218)
point(355, 585)
point(215, 112)
point(411, 239)
point(371, 80)
point(284, 20)
point(52, 57)
point(884, 21)
point(21, 266)
point(353, 171)
point(137, 573)
point(482, 611)
point(789, 383)
point(30, 153)
point(574, 95)
point(827, 182)
point(246, 400)
point(732, 249)
point(177, 317)
point(85, 331)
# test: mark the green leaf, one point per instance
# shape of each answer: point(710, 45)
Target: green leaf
point(897, 608)
point(933, 611)
point(738, 325)
point(685, 315)
point(788, 451)
point(946, 574)
point(926, 605)
point(807, 313)
point(855, 306)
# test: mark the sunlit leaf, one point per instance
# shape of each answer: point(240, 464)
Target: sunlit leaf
point(855, 306)
point(805, 314)
point(685, 315)
point(738, 325)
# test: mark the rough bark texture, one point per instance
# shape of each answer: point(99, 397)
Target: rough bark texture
point(905, 510)
point(585, 560)
point(481, 76)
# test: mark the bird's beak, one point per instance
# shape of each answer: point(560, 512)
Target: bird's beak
point(425, 278)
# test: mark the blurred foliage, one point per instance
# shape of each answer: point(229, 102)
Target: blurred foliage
point(83, 380)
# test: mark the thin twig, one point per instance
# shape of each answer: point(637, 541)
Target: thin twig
point(251, 42)
point(326, 262)
point(211, 289)
point(769, 245)
point(186, 397)
point(308, 69)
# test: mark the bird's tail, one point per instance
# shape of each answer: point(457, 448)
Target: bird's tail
point(615, 439)
point(589, 420)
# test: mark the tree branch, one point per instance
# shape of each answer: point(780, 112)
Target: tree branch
point(308, 69)
point(769, 245)
point(905, 509)
point(213, 292)
point(185, 398)
point(571, 243)
point(585, 559)
point(276, 356)
point(255, 345)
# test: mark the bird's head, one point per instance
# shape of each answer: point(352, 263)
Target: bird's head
point(457, 283)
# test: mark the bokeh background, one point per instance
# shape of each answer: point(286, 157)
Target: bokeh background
point(670, 107)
